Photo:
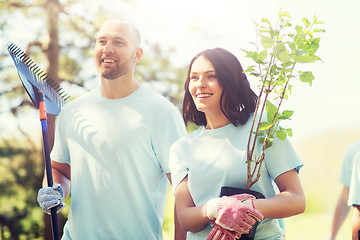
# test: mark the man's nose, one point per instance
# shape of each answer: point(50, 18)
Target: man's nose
point(108, 48)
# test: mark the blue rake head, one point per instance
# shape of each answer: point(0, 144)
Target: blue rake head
point(34, 79)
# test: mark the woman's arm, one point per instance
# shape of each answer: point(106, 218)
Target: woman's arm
point(289, 202)
point(179, 233)
point(191, 218)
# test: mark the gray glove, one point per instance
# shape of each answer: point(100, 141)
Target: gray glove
point(50, 197)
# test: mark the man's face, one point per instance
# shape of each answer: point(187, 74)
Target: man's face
point(115, 49)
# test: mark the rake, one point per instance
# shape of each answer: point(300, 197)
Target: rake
point(48, 97)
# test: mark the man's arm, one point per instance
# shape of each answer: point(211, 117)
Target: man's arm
point(180, 234)
point(356, 222)
point(341, 212)
point(62, 175)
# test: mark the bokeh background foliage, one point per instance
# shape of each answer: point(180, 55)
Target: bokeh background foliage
point(59, 35)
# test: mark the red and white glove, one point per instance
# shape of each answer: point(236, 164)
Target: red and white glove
point(220, 233)
point(232, 214)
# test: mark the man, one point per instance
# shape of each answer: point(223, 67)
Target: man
point(113, 144)
point(342, 208)
point(354, 197)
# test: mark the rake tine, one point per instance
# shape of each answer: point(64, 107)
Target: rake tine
point(32, 73)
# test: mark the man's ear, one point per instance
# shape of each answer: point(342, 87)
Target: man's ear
point(138, 55)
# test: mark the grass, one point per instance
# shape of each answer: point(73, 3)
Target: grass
point(314, 226)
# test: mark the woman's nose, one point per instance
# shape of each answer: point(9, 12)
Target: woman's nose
point(201, 83)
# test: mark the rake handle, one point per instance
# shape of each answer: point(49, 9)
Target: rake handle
point(43, 120)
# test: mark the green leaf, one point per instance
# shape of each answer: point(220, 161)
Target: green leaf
point(271, 110)
point(280, 47)
point(265, 126)
point(280, 80)
point(316, 58)
point(287, 64)
point(306, 22)
point(292, 45)
point(266, 42)
point(281, 134)
point(265, 20)
point(250, 54)
point(302, 59)
point(284, 14)
point(289, 132)
point(255, 74)
point(268, 144)
point(307, 77)
point(284, 57)
point(249, 69)
point(262, 55)
point(260, 133)
point(308, 33)
point(319, 30)
point(287, 113)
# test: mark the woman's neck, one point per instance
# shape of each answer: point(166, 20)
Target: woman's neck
point(218, 121)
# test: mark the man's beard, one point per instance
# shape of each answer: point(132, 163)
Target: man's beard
point(115, 72)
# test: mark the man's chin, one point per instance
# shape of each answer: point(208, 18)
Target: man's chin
point(109, 76)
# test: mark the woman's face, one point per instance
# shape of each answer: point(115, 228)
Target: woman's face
point(204, 87)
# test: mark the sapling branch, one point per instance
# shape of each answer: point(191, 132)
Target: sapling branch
point(278, 73)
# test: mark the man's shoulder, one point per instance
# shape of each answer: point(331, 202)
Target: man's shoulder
point(78, 101)
point(353, 149)
point(153, 97)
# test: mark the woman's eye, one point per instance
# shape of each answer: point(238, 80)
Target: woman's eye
point(193, 77)
point(212, 76)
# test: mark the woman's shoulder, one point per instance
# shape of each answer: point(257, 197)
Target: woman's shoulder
point(188, 139)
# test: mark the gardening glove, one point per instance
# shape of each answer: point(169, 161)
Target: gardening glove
point(50, 197)
point(220, 233)
point(232, 214)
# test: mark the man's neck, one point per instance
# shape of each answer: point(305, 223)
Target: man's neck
point(118, 88)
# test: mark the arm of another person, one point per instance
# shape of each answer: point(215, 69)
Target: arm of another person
point(180, 234)
point(289, 202)
point(61, 174)
point(356, 222)
point(341, 211)
point(191, 218)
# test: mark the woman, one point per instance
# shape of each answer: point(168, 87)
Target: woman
point(218, 98)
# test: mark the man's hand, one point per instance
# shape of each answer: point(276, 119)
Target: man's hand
point(50, 197)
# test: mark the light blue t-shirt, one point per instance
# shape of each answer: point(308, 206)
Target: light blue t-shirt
point(118, 150)
point(354, 190)
point(347, 164)
point(216, 158)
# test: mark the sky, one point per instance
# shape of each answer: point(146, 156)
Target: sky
point(190, 26)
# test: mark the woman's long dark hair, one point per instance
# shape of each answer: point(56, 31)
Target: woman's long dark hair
point(237, 100)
